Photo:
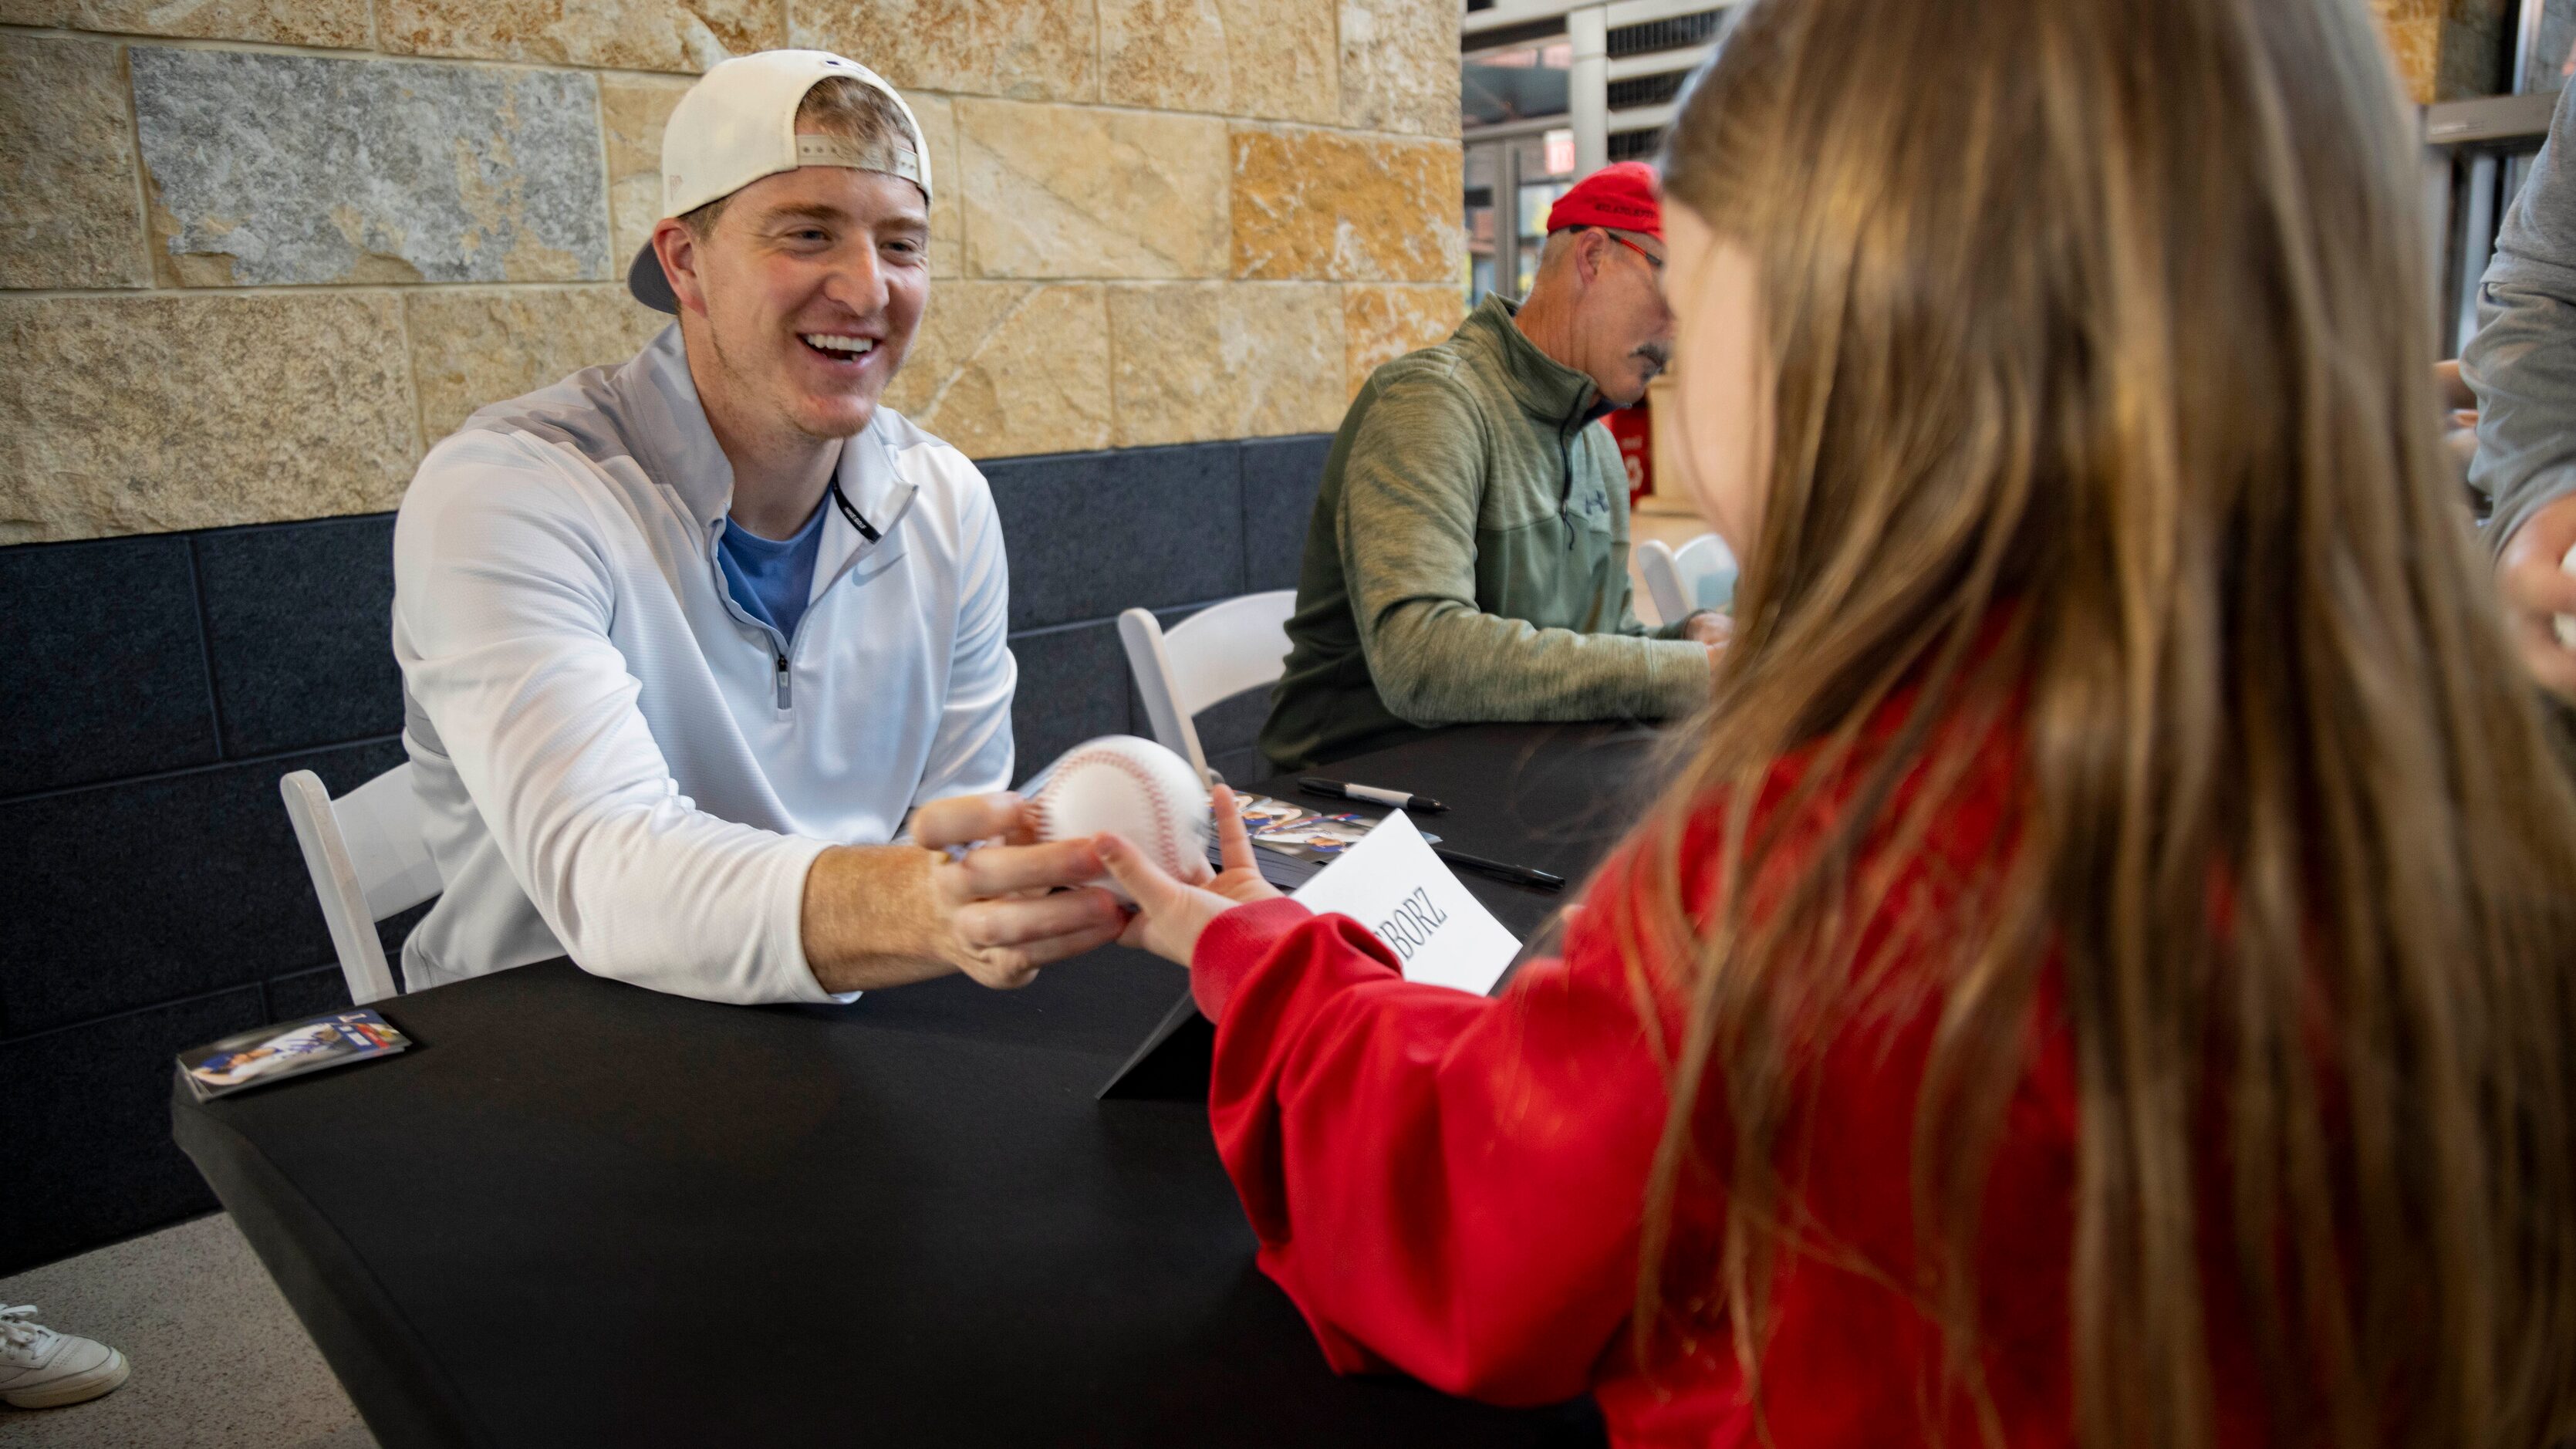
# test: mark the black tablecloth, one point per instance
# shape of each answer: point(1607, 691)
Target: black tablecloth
point(1550, 796)
point(582, 1213)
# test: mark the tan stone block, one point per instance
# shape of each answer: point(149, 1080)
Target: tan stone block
point(1072, 191)
point(1206, 360)
point(475, 346)
point(2445, 50)
point(1275, 59)
point(340, 24)
point(938, 117)
point(1004, 368)
point(2416, 46)
point(1040, 50)
point(680, 35)
point(1381, 324)
point(69, 212)
point(149, 413)
point(1400, 66)
point(1325, 205)
point(631, 117)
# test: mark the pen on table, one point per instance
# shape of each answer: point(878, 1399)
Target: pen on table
point(1370, 793)
point(1525, 875)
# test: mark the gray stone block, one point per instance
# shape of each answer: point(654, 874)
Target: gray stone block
point(280, 169)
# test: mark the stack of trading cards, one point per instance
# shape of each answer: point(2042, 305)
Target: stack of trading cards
point(1261, 813)
point(1297, 842)
point(275, 1053)
point(1318, 838)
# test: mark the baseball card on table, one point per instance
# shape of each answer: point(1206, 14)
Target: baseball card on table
point(275, 1053)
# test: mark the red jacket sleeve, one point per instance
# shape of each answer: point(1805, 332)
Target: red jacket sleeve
point(1445, 1184)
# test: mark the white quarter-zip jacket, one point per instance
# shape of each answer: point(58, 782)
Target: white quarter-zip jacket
point(614, 761)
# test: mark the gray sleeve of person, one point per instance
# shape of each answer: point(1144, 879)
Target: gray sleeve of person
point(2522, 363)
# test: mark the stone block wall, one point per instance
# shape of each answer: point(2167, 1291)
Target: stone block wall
point(2448, 50)
point(256, 255)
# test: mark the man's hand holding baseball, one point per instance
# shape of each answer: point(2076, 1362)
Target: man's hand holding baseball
point(999, 909)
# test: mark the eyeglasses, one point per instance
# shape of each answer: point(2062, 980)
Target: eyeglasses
point(1651, 259)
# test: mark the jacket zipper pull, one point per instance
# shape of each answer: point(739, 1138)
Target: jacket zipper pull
point(783, 702)
point(1565, 459)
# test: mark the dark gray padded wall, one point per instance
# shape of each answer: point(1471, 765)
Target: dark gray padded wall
point(1280, 476)
point(151, 893)
point(297, 626)
point(1090, 534)
point(1230, 731)
point(1073, 687)
point(90, 1158)
point(155, 890)
point(105, 673)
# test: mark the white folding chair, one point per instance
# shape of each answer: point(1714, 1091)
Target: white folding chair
point(1216, 653)
point(368, 861)
point(1699, 575)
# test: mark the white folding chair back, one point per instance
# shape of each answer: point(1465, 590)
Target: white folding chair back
point(1216, 653)
point(368, 860)
point(1698, 575)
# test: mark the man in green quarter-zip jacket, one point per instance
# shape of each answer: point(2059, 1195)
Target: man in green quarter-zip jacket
point(1468, 555)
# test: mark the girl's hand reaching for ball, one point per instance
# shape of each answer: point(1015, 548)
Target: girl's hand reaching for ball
point(1170, 913)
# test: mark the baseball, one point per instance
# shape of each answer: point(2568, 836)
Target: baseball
point(1133, 787)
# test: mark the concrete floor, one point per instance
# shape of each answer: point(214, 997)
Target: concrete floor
point(219, 1359)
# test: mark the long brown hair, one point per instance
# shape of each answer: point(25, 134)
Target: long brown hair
point(2099, 346)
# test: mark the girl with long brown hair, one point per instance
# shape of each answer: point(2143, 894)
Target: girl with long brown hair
point(2102, 973)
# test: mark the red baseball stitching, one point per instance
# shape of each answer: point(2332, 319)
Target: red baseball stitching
point(1171, 848)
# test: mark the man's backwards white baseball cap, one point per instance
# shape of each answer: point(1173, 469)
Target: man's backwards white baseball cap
point(738, 124)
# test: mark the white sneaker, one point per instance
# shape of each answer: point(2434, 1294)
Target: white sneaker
point(42, 1369)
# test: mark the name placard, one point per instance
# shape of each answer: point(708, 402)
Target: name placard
point(1393, 884)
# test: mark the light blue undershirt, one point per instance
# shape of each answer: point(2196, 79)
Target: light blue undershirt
point(772, 579)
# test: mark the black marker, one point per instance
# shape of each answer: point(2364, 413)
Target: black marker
point(1523, 874)
point(1316, 784)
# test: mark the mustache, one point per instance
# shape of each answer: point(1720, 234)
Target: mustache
point(1656, 353)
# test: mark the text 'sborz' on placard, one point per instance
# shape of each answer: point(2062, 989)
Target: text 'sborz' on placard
point(1411, 924)
point(1391, 883)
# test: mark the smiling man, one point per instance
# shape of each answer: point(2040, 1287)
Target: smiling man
point(703, 655)
point(1468, 555)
